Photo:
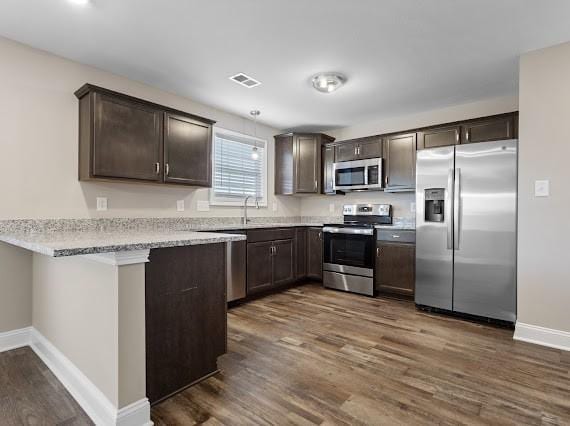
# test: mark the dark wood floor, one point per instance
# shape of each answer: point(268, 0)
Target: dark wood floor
point(315, 356)
point(31, 395)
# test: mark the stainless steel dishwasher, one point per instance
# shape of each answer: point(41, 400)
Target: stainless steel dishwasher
point(235, 267)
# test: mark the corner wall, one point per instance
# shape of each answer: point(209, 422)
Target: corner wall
point(15, 288)
point(544, 227)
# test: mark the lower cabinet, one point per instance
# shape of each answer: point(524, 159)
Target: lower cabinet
point(185, 316)
point(395, 267)
point(259, 266)
point(301, 252)
point(315, 253)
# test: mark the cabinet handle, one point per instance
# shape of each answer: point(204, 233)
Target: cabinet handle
point(157, 168)
point(467, 135)
point(395, 236)
point(167, 169)
point(377, 251)
point(316, 184)
point(386, 181)
point(457, 136)
point(355, 150)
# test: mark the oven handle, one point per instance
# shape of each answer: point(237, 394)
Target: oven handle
point(352, 231)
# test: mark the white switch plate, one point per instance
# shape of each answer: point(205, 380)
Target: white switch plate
point(180, 205)
point(274, 206)
point(203, 206)
point(331, 208)
point(541, 188)
point(101, 204)
point(413, 207)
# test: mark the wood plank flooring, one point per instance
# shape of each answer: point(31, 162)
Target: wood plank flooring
point(314, 356)
point(31, 395)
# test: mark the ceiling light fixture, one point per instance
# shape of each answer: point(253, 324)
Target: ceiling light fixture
point(255, 152)
point(328, 82)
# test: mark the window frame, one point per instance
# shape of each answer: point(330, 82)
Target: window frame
point(222, 201)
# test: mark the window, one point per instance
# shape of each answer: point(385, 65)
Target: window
point(236, 173)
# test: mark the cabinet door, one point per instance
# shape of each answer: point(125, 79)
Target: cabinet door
point(370, 148)
point(328, 170)
point(395, 267)
point(492, 129)
point(283, 262)
point(259, 266)
point(185, 294)
point(187, 151)
point(400, 162)
point(127, 139)
point(346, 151)
point(307, 156)
point(315, 253)
point(301, 253)
point(441, 136)
point(284, 165)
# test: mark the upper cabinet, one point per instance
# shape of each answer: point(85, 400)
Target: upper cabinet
point(298, 168)
point(487, 129)
point(400, 162)
point(129, 139)
point(359, 149)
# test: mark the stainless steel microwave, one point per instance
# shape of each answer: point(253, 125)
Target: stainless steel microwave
point(358, 175)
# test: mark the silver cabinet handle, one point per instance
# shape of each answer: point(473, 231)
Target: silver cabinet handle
point(167, 169)
point(157, 168)
point(457, 136)
point(395, 236)
point(316, 184)
point(355, 150)
point(457, 211)
point(467, 135)
point(377, 251)
point(448, 208)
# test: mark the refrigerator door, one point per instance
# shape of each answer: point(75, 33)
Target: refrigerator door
point(485, 229)
point(434, 227)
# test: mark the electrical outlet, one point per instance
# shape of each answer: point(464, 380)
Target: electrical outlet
point(203, 206)
point(101, 204)
point(541, 188)
point(274, 206)
point(413, 207)
point(331, 208)
point(180, 205)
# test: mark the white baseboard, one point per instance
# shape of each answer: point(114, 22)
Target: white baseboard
point(542, 336)
point(15, 339)
point(88, 396)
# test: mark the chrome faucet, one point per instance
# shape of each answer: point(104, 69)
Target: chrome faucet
point(245, 219)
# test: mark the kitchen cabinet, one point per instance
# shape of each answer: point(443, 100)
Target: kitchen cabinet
point(132, 140)
point(270, 258)
point(328, 156)
point(439, 136)
point(400, 162)
point(315, 253)
point(187, 151)
point(359, 149)
point(489, 129)
point(298, 168)
point(301, 252)
point(395, 262)
point(185, 293)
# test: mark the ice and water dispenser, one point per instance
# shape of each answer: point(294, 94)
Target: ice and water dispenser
point(434, 204)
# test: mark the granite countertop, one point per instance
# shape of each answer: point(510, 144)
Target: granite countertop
point(238, 227)
point(58, 244)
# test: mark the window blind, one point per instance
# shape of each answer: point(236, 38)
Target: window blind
point(236, 174)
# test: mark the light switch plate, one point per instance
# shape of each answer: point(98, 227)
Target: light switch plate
point(541, 188)
point(331, 208)
point(180, 205)
point(101, 204)
point(203, 206)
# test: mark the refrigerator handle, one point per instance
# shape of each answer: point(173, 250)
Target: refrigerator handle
point(457, 212)
point(448, 209)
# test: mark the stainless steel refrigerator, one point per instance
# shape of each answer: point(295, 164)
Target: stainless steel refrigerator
point(466, 207)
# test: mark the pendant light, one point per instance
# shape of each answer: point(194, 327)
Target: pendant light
point(255, 152)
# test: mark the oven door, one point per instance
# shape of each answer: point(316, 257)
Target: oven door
point(348, 251)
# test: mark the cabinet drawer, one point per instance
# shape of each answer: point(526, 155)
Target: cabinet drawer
point(257, 235)
point(397, 236)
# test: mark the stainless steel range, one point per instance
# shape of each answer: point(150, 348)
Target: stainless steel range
point(348, 258)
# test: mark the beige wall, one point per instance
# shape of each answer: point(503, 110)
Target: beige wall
point(15, 288)
point(311, 206)
point(38, 145)
point(544, 228)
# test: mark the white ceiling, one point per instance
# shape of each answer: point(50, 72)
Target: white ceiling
point(401, 56)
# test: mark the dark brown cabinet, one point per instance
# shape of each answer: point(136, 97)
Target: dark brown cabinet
point(400, 162)
point(359, 149)
point(185, 316)
point(491, 129)
point(187, 146)
point(130, 139)
point(440, 136)
point(315, 253)
point(395, 262)
point(328, 157)
point(301, 252)
point(298, 168)
point(270, 258)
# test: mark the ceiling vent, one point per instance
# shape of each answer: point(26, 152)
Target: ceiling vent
point(245, 80)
